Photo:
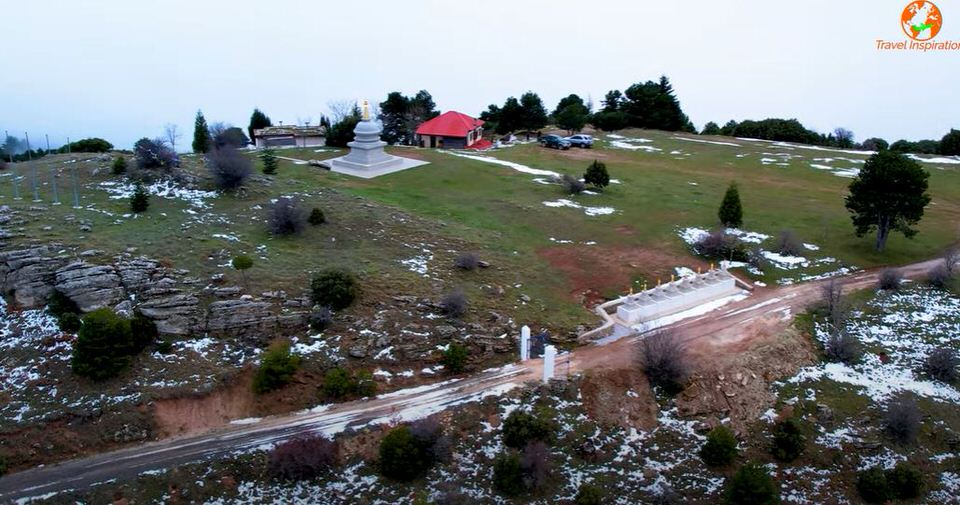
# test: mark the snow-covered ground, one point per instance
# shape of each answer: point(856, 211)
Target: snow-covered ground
point(164, 189)
point(590, 211)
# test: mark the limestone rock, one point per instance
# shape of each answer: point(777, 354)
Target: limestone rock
point(89, 286)
point(29, 274)
point(247, 319)
point(173, 315)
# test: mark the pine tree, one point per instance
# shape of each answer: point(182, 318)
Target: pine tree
point(534, 114)
point(103, 345)
point(258, 120)
point(597, 174)
point(731, 212)
point(270, 162)
point(201, 134)
point(140, 199)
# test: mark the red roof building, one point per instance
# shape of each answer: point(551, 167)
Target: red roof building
point(451, 130)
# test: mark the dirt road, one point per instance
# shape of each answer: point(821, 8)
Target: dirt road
point(727, 328)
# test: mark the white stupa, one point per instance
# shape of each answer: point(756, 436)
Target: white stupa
point(366, 158)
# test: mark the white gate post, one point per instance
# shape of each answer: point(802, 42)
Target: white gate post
point(549, 359)
point(524, 343)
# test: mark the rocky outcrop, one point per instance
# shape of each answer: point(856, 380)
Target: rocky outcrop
point(90, 286)
point(166, 296)
point(177, 314)
point(29, 274)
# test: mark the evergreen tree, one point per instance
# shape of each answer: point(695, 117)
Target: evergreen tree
point(242, 263)
point(258, 121)
point(511, 116)
point(597, 174)
point(752, 485)
point(119, 165)
point(729, 128)
point(567, 101)
point(710, 128)
point(950, 143)
point(654, 105)
point(572, 118)
point(140, 199)
point(731, 212)
point(270, 162)
point(276, 369)
point(612, 100)
point(201, 134)
point(393, 113)
point(890, 193)
point(534, 114)
point(103, 346)
point(721, 447)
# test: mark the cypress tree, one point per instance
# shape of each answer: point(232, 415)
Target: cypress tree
point(140, 199)
point(201, 134)
point(731, 212)
point(597, 174)
point(258, 120)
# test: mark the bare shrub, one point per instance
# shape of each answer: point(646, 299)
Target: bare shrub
point(429, 435)
point(788, 243)
point(664, 361)
point(940, 276)
point(454, 304)
point(286, 217)
point(321, 318)
point(836, 309)
point(902, 420)
point(951, 259)
point(467, 261)
point(842, 347)
point(228, 167)
point(941, 364)
point(756, 259)
point(535, 464)
point(890, 279)
point(571, 185)
point(154, 154)
point(302, 458)
point(719, 245)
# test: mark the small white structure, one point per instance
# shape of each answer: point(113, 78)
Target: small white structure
point(524, 343)
point(676, 296)
point(366, 158)
point(549, 361)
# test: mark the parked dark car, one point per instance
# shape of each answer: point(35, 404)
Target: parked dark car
point(555, 142)
point(580, 140)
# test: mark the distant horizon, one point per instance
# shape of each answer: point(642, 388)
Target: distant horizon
point(121, 78)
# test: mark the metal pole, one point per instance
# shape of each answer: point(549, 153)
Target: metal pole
point(48, 142)
point(6, 135)
point(69, 147)
point(76, 189)
point(53, 184)
point(36, 184)
point(29, 154)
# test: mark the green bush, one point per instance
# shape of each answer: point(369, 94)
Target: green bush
point(165, 346)
point(872, 485)
point(276, 369)
point(336, 289)
point(316, 217)
point(59, 304)
point(597, 174)
point(119, 165)
point(721, 447)
point(337, 383)
point(752, 485)
point(588, 494)
point(103, 346)
point(143, 332)
point(455, 357)
point(402, 457)
point(521, 428)
point(507, 474)
point(90, 145)
point(365, 386)
point(140, 199)
point(69, 322)
point(905, 481)
point(242, 263)
point(788, 440)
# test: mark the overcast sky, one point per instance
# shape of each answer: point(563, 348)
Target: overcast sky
point(122, 69)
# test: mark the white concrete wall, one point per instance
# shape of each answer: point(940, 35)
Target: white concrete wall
point(676, 297)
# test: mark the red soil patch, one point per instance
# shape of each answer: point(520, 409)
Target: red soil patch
point(594, 271)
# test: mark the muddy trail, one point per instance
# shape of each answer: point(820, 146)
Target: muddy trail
point(726, 331)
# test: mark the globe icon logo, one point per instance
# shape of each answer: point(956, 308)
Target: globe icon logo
point(921, 20)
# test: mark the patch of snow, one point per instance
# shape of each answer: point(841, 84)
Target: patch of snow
point(516, 166)
point(702, 141)
point(590, 211)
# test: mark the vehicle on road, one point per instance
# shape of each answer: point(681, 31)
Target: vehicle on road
point(580, 140)
point(555, 142)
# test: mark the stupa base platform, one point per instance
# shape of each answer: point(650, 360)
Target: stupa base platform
point(394, 164)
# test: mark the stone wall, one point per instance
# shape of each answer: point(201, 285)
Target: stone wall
point(172, 299)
